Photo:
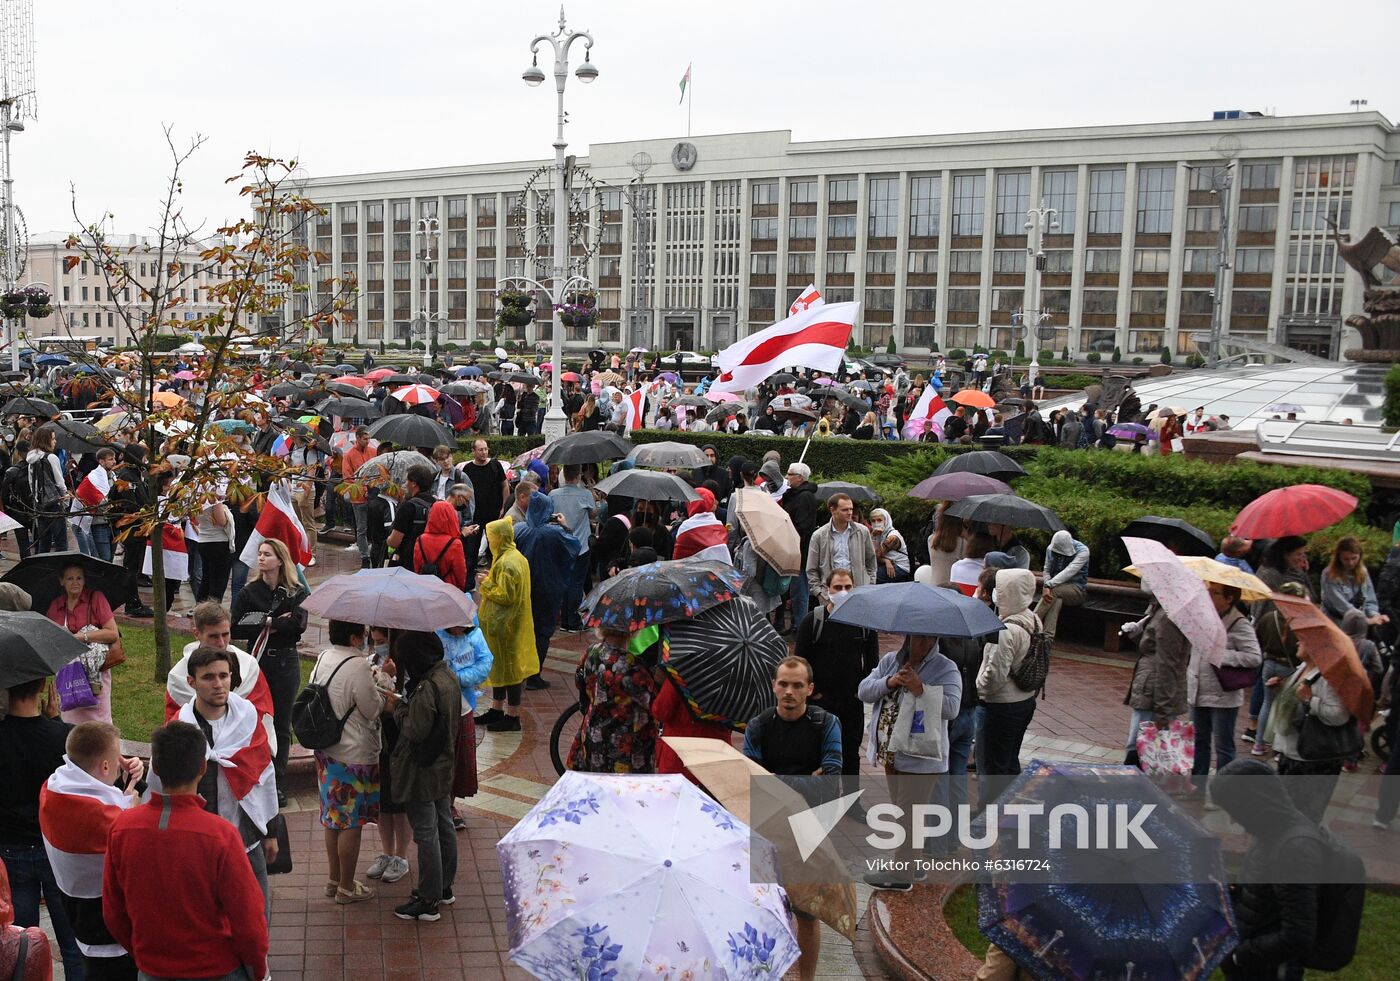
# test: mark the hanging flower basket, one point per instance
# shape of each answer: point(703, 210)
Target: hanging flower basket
point(13, 303)
point(514, 299)
point(577, 315)
point(514, 317)
point(38, 300)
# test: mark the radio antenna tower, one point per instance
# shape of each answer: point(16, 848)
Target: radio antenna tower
point(17, 103)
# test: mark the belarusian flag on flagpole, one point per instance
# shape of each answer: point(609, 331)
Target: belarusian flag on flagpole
point(685, 80)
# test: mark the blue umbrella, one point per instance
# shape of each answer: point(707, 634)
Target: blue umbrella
point(467, 371)
point(231, 425)
point(51, 359)
point(913, 608)
point(1095, 914)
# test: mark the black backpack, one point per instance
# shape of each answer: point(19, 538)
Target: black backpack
point(1031, 673)
point(1339, 907)
point(45, 490)
point(15, 495)
point(430, 567)
point(313, 718)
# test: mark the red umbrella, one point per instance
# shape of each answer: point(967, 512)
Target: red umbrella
point(352, 380)
point(379, 373)
point(1294, 510)
point(570, 376)
point(1328, 649)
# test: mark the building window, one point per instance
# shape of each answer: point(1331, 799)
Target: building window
point(1200, 261)
point(65, 294)
point(349, 213)
point(883, 220)
point(457, 208)
point(1196, 302)
point(924, 195)
point(1394, 214)
point(1154, 202)
point(1324, 172)
point(1106, 189)
point(921, 299)
point(1013, 200)
point(839, 294)
point(1151, 260)
point(1102, 260)
point(1007, 301)
point(762, 229)
point(1254, 260)
point(802, 227)
point(841, 189)
point(1204, 177)
point(427, 209)
point(1149, 301)
point(761, 299)
point(923, 263)
point(1259, 176)
point(881, 262)
point(1059, 261)
point(1059, 190)
point(802, 263)
point(1009, 261)
point(1312, 214)
point(486, 238)
point(374, 211)
point(1249, 303)
point(881, 299)
point(840, 262)
point(841, 226)
point(963, 301)
point(763, 263)
point(969, 203)
point(965, 261)
point(1100, 302)
point(1259, 218)
point(1205, 218)
point(765, 192)
point(486, 206)
point(403, 211)
point(802, 192)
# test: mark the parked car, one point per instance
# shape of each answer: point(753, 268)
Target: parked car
point(690, 361)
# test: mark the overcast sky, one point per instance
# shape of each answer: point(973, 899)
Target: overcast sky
point(351, 86)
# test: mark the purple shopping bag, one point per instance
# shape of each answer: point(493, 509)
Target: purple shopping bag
point(74, 692)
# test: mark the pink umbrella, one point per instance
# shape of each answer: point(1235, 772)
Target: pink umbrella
point(714, 396)
point(415, 394)
point(185, 376)
point(1182, 595)
point(353, 380)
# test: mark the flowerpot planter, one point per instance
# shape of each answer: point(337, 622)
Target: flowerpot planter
point(39, 312)
point(514, 317)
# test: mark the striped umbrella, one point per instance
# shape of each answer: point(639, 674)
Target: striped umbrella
point(723, 662)
point(415, 394)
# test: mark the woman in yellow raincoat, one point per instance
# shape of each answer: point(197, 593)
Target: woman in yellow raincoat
point(506, 620)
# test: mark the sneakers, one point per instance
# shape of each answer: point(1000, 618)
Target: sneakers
point(1260, 749)
point(506, 723)
point(458, 821)
point(878, 881)
point(353, 546)
point(366, 564)
point(488, 717)
point(1382, 825)
point(396, 870)
point(379, 866)
point(1248, 735)
point(418, 908)
point(447, 897)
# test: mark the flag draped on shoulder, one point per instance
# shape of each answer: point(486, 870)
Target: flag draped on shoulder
point(703, 536)
point(252, 685)
point(929, 413)
point(91, 492)
point(76, 811)
point(244, 757)
point(812, 338)
point(278, 520)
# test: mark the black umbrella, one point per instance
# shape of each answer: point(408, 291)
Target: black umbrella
point(329, 369)
point(856, 492)
point(346, 369)
point(692, 400)
point(988, 463)
point(349, 408)
point(75, 436)
point(863, 385)
point(679, 456)
point(298, 366)
point(1006, 509)
point(956, 486)
point(29, 407)
point(648, 485)
point(724, 410)
point(346, 389)
point(399, 380)
point(432, 380)
point(913, 608)
point(594, 446)
point(406, 429)
point(723, 662)
point(38, 576)
point(33, 646)
point(782, 378)
point(1181, 537)
point(523, 377)
point(795, 415)
point(851, 401)
point(287, 390)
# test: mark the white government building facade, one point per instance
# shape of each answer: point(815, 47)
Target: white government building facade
point(928, 232)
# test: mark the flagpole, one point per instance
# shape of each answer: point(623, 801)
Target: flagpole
point(689, 102)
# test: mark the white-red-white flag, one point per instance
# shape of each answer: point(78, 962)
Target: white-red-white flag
point(174, 555)
point(810, 297)
point(278, 520)
point(929, 412)
point(244, 757)
point(90, 492)
point(814, 338)
point(636, 404)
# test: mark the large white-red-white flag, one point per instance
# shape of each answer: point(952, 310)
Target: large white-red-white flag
point(636, 403)
point(808, 298)
point(929, 413)
point(278, 520)
point(814, 338)
point(76, 812)
point(243, 755)
point(174, 555)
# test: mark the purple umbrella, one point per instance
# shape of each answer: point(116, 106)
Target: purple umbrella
point(824, 381)
point(1131, 430)
point(669, 376)
point(955, 486)
point(392, 598)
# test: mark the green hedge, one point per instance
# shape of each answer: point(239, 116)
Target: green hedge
point(1391, 406)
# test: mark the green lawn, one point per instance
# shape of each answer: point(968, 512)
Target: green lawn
point(138, 702)
point(1376, 956)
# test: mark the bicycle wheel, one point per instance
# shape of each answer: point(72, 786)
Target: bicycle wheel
point(562, 736)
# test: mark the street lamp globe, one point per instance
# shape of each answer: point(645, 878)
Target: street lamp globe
point(533, 75)
point(586, 72)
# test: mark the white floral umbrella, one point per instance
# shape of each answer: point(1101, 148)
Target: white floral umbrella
point(644, 876)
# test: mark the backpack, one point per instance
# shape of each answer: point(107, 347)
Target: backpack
point(812, 734)
point(430, 566)
point(772, 583)
point(313, 717)
point(45, 490)
point(1031, 673)
point(1339, 907)
point(15, 494)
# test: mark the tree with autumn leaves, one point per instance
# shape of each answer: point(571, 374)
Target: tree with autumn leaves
point(259, 264)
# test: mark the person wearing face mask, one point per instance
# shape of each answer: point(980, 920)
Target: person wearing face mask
point(840, 655)
point(891, 553)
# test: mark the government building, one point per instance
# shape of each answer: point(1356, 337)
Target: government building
point(693, 243)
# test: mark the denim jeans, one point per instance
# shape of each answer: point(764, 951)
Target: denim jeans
point(573, 594)
point(1213, 725)
point(30, 875)
point(102, 541)
point(1269, 669)
point(84, 539)
point(237, 579)
point(952, 789)
point(1139, 717)
point(361, 513)
point(799, 592)
point(196, 567)
point(437, 845)
point(51, 534)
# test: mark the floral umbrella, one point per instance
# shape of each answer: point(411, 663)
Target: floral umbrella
point(613, 876)
point(660, 592)
point(1182, 595)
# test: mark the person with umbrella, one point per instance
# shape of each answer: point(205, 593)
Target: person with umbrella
point(551, 552)
point(1306, 691)
point(618, 682)
point(507, 621)
point(918, 663)
point(1157, 689)
point(86, 614)
point(1214, 708)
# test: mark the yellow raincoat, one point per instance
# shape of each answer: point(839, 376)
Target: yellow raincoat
point(504, 615)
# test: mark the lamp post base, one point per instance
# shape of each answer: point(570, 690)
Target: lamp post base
point(556, 424)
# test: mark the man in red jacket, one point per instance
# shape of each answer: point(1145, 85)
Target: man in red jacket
point(171, 854)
